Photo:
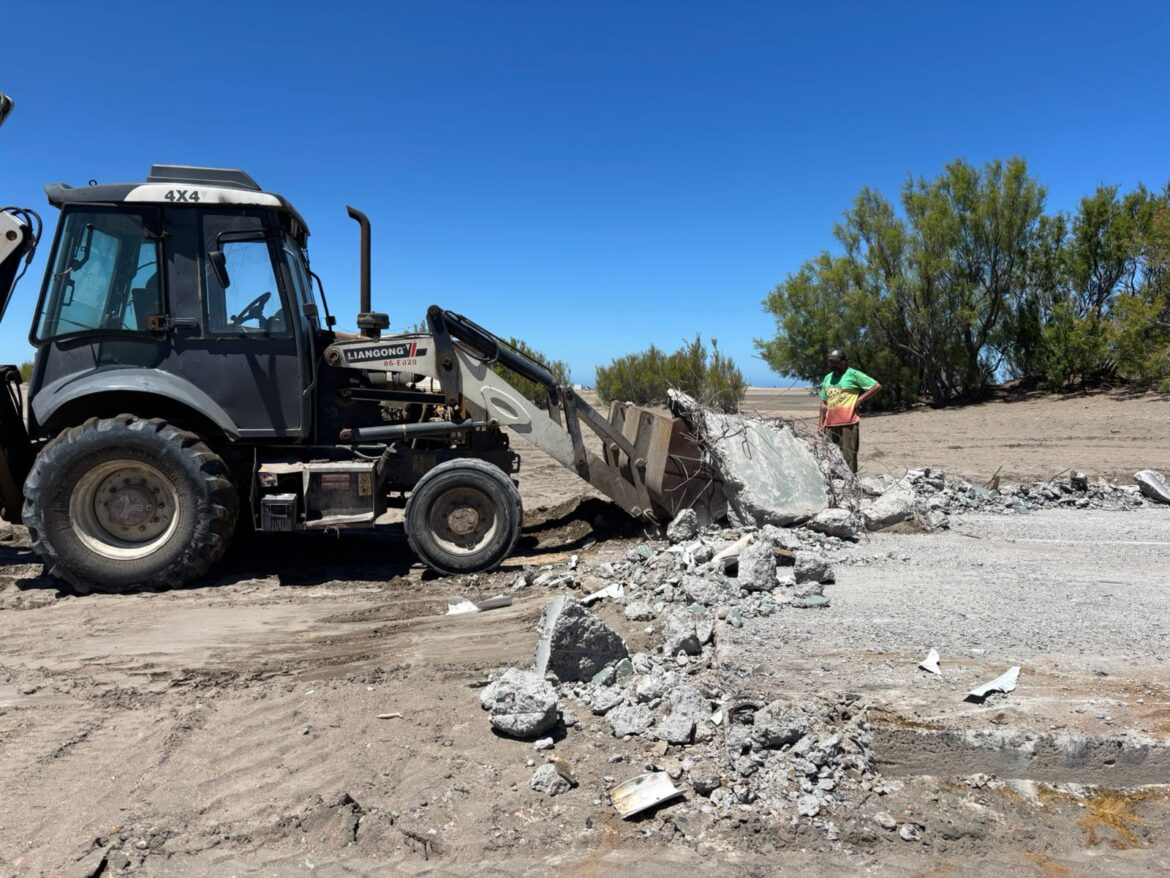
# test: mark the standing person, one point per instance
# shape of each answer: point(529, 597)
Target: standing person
point(842, 393)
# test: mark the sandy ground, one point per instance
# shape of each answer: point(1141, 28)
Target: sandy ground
point(233, 728)
point(1112, 434)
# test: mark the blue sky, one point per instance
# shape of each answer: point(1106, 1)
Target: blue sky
point(591, 177)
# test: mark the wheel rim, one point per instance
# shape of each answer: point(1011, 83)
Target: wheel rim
point(124, 509)
point(463, 520)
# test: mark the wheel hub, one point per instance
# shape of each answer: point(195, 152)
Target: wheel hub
point(463, 520)
point(129, 505)
point(124, 509)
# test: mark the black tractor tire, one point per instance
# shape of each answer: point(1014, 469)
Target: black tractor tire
point(124, 503)
point(464, 516)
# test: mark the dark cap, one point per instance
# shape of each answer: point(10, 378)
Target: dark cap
point(837, 355)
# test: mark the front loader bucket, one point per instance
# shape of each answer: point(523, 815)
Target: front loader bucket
point(668, 461)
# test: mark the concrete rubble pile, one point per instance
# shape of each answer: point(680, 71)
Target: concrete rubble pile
point(734, 755)
point(926, 496)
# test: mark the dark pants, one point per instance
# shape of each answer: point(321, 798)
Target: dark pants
point(848, 438)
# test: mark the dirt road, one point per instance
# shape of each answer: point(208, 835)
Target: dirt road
point(296, 715)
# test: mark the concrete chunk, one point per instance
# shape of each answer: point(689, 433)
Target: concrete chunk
point(684, 527)
point(1153, 485)
point(547, 779)
point(675, 729)
point(639, 611)
point(679, 634)
point(812, 568)
point(521, 704)
point(779, 723)
point(757, 567)
point(574, 644)
point(892, 507)
point(702, 590)
point(840, 523)
point(630, 719)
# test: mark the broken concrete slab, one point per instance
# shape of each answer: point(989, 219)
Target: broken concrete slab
point(688, 701)
point(654, 686)
point(892, 507)
point(702, 590)
point(521, 704)
point(605, 700)
point(780, 537)
point(769, 474)
point(574, 644)
point(809, 602)
point(1153, 485)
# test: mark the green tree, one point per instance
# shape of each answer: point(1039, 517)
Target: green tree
point(528, 387)
point(919, 298)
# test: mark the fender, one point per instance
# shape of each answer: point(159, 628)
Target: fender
point(51, 397)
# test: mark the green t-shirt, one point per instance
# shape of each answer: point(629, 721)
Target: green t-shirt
point(840, 392)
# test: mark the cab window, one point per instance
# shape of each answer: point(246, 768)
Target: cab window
point(105, 276)
point(251, 304)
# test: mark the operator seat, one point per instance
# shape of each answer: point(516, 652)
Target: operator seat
point(145, 301)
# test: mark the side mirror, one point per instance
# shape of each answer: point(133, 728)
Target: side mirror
point(5, 107)
point(219, 267)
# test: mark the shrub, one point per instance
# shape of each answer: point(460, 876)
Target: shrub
point(645, 377)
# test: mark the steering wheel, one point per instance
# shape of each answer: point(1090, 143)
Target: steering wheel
point(254, 310)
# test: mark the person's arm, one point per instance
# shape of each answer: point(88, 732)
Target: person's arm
point(874, 388)
point(821, 418)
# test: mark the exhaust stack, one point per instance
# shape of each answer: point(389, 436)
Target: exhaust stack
point(370, 323)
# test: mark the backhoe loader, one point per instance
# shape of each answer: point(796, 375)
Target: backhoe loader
point(189, 382)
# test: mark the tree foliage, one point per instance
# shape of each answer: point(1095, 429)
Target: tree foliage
point(971, 281)
point(645, 377)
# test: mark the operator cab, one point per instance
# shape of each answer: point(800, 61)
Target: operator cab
point(182, 274)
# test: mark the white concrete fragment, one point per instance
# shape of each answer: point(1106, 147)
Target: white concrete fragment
point(726, 557)
point(930, 663)
point(1005, 682)
point(615, 590)
point(458, 605)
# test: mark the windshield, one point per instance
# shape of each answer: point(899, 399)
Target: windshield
point(104, 277)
